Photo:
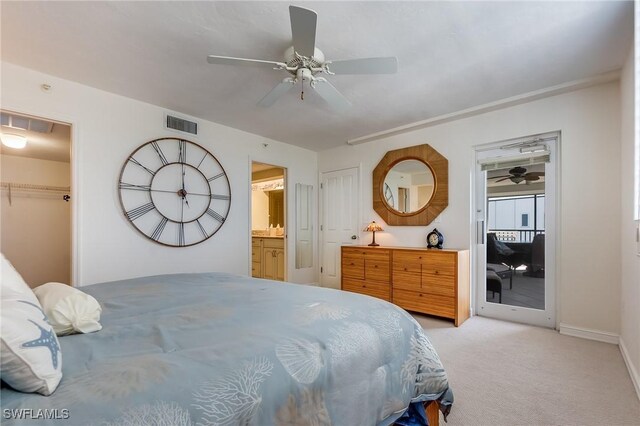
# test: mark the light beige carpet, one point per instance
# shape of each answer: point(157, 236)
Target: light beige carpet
point(504, 373)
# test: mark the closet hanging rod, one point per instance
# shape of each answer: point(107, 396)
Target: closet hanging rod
point(29, 186)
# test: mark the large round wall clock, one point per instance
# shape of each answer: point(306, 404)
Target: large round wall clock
point(174, 192)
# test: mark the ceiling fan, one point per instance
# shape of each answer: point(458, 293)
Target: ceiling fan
point(519, 174)
point(306, 63)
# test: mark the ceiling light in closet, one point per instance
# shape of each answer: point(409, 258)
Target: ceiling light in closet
point(13, 141)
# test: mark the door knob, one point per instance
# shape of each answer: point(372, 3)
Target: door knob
point(353, 237)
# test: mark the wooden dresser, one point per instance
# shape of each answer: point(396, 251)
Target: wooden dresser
point(422, 280)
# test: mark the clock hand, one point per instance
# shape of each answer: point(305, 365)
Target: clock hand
point(184, 191)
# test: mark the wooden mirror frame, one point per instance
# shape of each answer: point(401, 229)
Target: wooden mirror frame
point(439, 201)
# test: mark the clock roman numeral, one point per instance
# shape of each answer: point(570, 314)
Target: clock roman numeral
point(182, 151)
point(158, 231)
point(134, 187)
point(201, 228)
point(137, 163)
point(140, 211)
point(214, 214)
point(220, 197)
point(155, 146)
point(203, 157)
point(181, 234)
point(219, 175)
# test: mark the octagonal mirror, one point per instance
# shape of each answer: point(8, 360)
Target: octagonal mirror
point(410, 186)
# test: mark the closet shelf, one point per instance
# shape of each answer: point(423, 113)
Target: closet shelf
point(31, 187)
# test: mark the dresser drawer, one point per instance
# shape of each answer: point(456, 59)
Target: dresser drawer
point(409, 257)
point(379, 290)
point(407, 279)
point(439, 263)
point(376, 269)
point(353, 266)
point(443, 285)
point(367, 252)
point(427, 303)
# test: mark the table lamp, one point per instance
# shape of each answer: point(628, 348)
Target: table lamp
point(373, 227)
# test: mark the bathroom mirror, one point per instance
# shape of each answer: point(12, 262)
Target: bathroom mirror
point(411, 186)
point(304, 226)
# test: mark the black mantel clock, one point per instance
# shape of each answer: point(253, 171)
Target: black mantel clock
point(435, 239)
point(174, 192)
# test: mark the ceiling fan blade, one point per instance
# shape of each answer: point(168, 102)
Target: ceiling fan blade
point(228, 60)
point(528, 178)
point(508, 177)
point(387, 65)
point(498, 177)
point(303, 30)
point(535, 174)
point(330, 94)
point(276, 92)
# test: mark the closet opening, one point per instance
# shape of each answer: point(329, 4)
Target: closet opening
point(36, 208)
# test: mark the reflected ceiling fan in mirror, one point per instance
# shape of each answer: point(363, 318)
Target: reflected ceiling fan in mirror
point(306, 63)
point(519, 174)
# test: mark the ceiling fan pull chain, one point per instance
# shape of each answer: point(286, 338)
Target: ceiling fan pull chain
point(302, 92)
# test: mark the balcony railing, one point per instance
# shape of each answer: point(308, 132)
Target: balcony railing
point(516, 235)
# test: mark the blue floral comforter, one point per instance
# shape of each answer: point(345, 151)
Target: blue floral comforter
point(221, 349)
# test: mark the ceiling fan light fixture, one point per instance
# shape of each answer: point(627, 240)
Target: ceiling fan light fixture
point(13, 141)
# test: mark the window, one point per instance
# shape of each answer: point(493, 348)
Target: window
point(525, 219)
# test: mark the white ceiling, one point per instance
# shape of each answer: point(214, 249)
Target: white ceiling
point(452, 56)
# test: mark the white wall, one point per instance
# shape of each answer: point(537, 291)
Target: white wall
point(589, 119)
point(630, 314)
point(107, 128)
point(35, 232)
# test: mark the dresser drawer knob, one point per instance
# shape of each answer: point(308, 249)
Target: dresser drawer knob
point(405, 269)
point(375, 266)
point(352, 264)
point(436, 272)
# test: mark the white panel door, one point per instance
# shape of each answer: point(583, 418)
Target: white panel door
point(339, 225)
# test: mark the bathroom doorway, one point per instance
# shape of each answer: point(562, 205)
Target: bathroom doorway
point(268, 221)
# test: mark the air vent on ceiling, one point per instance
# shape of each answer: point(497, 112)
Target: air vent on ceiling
point(26, 123)
point(181, 125)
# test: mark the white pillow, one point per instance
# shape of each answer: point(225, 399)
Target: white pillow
point(30, 357)
point(69, 310)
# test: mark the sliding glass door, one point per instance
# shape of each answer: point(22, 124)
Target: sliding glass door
point(515, 202)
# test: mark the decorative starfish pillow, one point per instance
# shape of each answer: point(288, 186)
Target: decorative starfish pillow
point(31, 360)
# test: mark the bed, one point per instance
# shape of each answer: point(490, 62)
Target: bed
point(221, 349)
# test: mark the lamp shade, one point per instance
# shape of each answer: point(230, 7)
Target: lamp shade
point(373, 227)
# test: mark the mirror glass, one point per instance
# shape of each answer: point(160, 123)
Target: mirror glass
point(408, 186)
point(304, 226)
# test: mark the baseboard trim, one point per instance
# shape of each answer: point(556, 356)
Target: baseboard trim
point(635, 378)
point(587, 333)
